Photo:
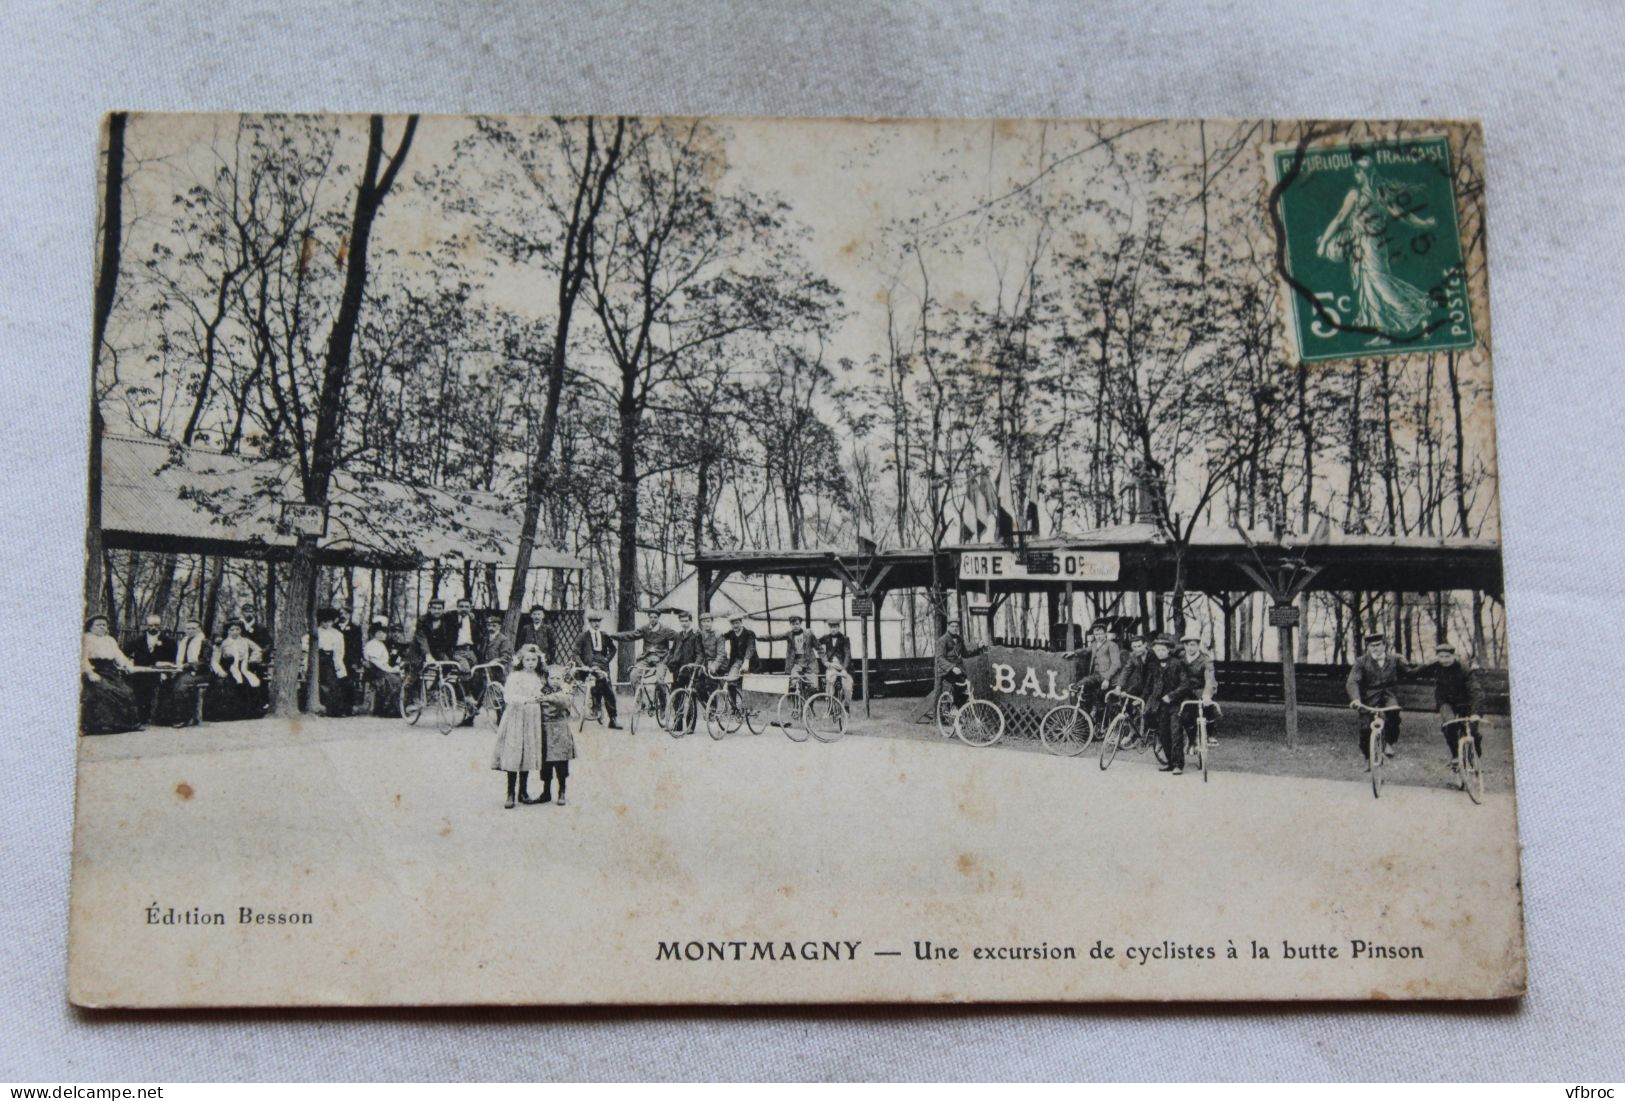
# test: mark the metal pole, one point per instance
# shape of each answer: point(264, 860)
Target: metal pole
point(1289, 687)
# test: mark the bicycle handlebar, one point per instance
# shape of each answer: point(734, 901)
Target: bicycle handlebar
point(1218, 711)
point(1374, 710)
point(1122, 695)
point(1463, 719)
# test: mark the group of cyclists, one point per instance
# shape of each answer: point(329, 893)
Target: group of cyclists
point(700, 653)
point(1159, 675)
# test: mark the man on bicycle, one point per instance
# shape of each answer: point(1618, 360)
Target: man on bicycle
point(1374, 681)
point(950, 665)
point(429, 641)
point(711, 645)
point(687, 648)
point(1456, 693)
point(800, 654)
point(595, 650)
point(739, 653)
point(1130, 676)
point(657, 639)
point(1097, 664)
point(1165, 689)
point(1200, 683)
point(836, 650)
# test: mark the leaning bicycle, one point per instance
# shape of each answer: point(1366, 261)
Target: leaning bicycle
point(1203, 746)
point(975, 722)
point(433, 688)
point(1468, 764)
point(683, 703)
point(1068, 729)
point(1374, 742)
point(1126, 728)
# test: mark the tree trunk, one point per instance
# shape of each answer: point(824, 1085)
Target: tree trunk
point(325, 440)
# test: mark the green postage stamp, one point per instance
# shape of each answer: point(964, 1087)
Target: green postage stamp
point(1370, 256)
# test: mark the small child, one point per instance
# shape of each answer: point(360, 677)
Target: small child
point(519, 735)
point(558, 740)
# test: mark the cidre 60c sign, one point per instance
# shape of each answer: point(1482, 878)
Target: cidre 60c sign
point(1038, 566)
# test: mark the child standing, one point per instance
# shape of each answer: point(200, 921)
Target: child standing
point(558, 740)
point(519, 735)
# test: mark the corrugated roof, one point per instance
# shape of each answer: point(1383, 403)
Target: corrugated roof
point(158, 491)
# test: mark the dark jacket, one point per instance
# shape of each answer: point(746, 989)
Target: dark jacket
point(687, 648)
point(1374, 683)
point(1165, 683)
point(1455, 684)
point(656, 640)
point(739, 646)
point(1200, 681)
point(141, 653)
point(431, 637)
point(952, 652)
point(1131, 677)
point(532, 635)
point(836, 647)
point(259, 634)
point(600, 656)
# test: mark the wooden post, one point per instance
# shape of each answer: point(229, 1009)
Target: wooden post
point(1289, 682)
point(863, 632)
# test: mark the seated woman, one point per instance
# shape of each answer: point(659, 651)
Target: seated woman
point(235, 693)
point(106, 704)
point(382, 676)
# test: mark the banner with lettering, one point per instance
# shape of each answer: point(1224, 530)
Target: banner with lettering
point(1021, 681)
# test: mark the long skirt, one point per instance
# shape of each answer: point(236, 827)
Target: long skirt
point(229, 699)
point(335, 690)
point(177, 699)
point(519, 739)
point(107, 706)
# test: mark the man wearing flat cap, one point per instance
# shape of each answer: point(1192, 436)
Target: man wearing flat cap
point(950, 664)
point(1374, 681)
point(1456, 693)
point(1166, 687)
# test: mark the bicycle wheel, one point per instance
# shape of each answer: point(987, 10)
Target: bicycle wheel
point(788, 717)
point(946, 713)
point(825, 716)
point(491, 704)
point(721, 716)
point(411, 699)
point(1155, 742)
point(754, 718)
point(1374, 755)
point(448, 709)
point(1472, 770)
point(1112, 740)
point(1066, 730)
point(675, 718)
point(979, 723)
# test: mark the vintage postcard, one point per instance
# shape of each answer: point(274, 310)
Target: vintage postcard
point(662, 560)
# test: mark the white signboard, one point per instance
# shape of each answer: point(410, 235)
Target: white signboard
point(1002, 565)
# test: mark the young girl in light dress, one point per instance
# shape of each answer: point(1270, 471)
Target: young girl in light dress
point(519, 735)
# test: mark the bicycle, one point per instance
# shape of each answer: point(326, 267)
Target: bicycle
point(649, 695)
point(434, 685)
point(1468, 765)
point(976, 722)
point(1374, 743)
point(681, 713)
point(491, 701)
point(581, 702)
point(1204, 752)
point(796, 712)
point(1068, 729)
point(1126, 730)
